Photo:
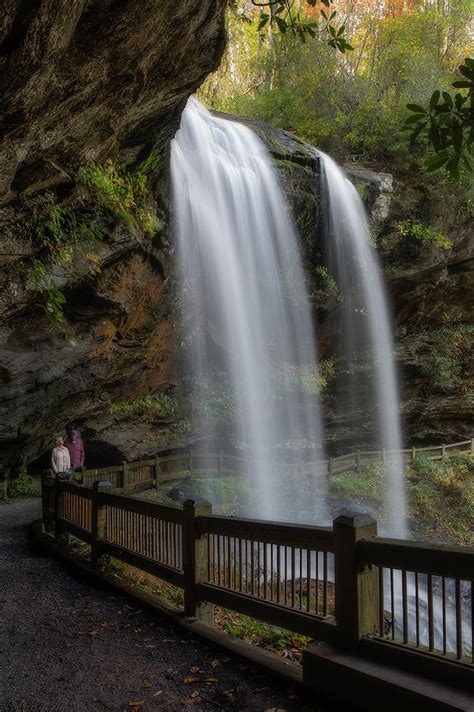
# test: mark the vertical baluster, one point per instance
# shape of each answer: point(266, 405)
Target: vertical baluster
point(170, 545)
point(252, 568)
point(158, 538)
point(405, 606)
point(443, 603)
point(272, 573)
point(457, 584)
point(417, 610)
point(219, 559)
point(235, 562)
point(325, 583)
point(381, 603)
point(214, 558)
point(316, 603)
point(308, 580)
point(301, 578)
point(265, 569)
point(209, 561)
point(229, 561)
point(278, 572)
point(240, 564)
point(430, 614)
point(392, 604)
point(258, 568)
point(293, 577)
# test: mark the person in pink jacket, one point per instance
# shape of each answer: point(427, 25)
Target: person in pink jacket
point(75, 446)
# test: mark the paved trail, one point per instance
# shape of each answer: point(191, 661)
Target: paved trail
point(65, 646)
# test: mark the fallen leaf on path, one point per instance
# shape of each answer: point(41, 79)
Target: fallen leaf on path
point(194, 669)
point(137, 703)
point(210, 680)
point(215, 663)
point(147, 684)
point(190, 679)
point(157, 694)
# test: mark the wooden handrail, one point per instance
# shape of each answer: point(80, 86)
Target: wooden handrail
point(303, 536)
point(437, 559)
point(353, 458)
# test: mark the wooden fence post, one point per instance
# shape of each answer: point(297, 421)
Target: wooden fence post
point(472, 444)
point(413, 454)
point(356, 588)
point(195, 562)
point(125, 476)
point(60, 531)
point(330, 466)
point(443, 450)
point(358, 461)
point(99, 520)
point(48, 498)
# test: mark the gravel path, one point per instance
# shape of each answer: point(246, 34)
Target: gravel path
point(66, 646)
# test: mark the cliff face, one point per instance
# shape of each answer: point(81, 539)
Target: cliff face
point(81, 81)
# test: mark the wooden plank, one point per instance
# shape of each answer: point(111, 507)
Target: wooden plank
point(103, 470)
point(75, 489)
point(151, 509)
point(437, 559)
point(295, 620)
point(76, 531)
point(307, 537)
point(141, 463)
point(142, 562)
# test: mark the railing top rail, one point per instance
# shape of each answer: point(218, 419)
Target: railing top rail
point(447, 560)
point(309, 537)
point(140, 506)
point(140, 463)
point(84, 492)
point(463, 442)
point(163, 459)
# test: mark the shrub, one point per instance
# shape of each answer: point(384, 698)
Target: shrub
point(123, 194)
point(441, 495)
point(424, 234)
point(424, 466)
point(366, 484)
point(21, 486)
point(163, 404)
point(448, 359)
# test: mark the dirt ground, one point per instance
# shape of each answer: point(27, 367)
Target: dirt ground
point(65, 646)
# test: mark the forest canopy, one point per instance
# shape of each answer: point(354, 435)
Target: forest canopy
point(352, 103)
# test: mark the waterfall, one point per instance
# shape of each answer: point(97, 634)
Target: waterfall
point(355, 266)
point(246, 321)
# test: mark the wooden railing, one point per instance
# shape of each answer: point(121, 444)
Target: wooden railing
point(136, 476)
point(426, 595)
point(340, 584)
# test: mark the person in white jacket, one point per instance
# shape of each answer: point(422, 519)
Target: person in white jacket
point(60, 459)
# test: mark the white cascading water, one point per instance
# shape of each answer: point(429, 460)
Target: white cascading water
point(358, 274)
point(246, 314)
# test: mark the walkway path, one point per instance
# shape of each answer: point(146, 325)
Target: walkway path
point(65, 646)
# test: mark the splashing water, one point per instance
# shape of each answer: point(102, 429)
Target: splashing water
point(249, 334)
point(366, 324)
